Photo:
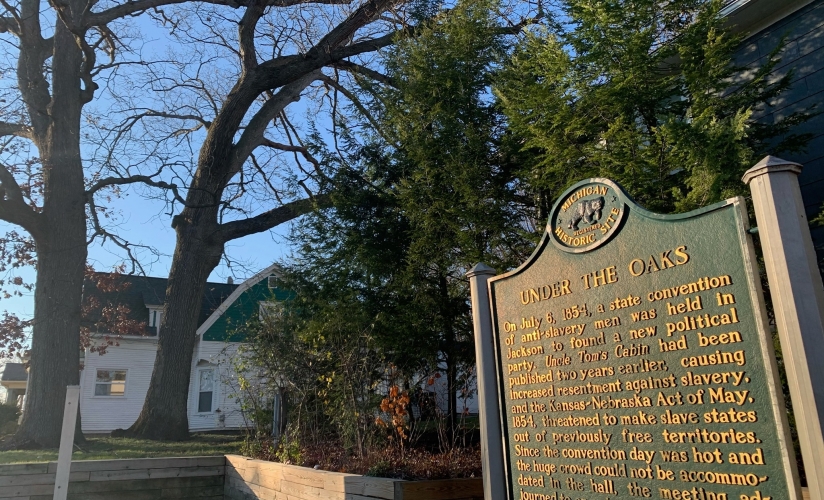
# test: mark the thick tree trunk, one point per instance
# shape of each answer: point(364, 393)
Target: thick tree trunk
point(200, 235)
point(61, 253)
point(450, 355)
point(55, 346)
point(164, 415)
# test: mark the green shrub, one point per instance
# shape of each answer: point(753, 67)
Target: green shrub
point(8, 418)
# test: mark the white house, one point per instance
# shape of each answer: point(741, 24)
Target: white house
point(13, 377)
point(114, 385)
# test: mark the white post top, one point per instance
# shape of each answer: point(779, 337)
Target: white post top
point(480, 269)
point(769, 165)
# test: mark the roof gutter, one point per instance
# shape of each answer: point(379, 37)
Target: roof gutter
point(752, 16)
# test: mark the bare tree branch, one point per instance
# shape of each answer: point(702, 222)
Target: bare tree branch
point(125, 245)
point(175, 116)
point(368, 45)
point(303, 151)
point(9, 25)
point(246, 34)
point(364, 71)
point(293, 135)
point(287, 147)
point(358, 104)
point(331, 48)
point(267, 220)
point(345, 31)
point(252, 136)
point(30, 78)
point(266, 179)
point(13, 206)
point(11, 190)
point(131, 121)
point(134, 179)
point(136, 7)
point(15, 16)
point(15, 129)
point(89, 60)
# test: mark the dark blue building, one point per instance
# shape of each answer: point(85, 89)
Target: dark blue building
point(801, 24)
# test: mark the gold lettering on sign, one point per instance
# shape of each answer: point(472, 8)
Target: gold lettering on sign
point(587, 191)
point(607, 224)
point(545, 292)
point(661, 262)
point(574, 241)
point(649, 389)
point(600, 277)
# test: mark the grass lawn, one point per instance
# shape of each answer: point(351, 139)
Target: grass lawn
point(103, 448)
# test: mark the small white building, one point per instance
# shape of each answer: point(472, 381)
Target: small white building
point(13, 377)
point(114, 384)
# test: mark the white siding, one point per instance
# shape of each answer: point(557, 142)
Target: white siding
point(218, 356)
point(107, 413)
point(467, 396)
point(137, 356)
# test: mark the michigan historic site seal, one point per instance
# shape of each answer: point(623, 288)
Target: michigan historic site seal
point(587, 215)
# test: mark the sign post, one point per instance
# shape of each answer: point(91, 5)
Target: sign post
point(798, 297)
point(633, 358)
point(64, 456)
point(489, 411)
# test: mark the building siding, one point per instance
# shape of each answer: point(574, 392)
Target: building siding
point(803, 54)
point(231, 324)
point(219, 356)
point(105, 414)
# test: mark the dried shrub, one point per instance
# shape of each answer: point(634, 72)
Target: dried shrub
point(391, 462)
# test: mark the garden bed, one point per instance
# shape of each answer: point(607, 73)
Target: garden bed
point(216, 478)
point(390, 462)
point(249, 478)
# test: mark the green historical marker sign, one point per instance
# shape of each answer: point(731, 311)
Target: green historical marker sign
point(633, 359)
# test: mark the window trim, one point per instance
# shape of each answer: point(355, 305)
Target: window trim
point(196, 402)
point(270, 308)
point(95, 382)
point(155, 318)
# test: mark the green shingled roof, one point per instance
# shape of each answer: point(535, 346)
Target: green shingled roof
point(230, 324)
point(139, 292)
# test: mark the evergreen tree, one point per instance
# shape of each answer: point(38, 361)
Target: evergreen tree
point(456, 195)
point(646, 93)
point(424, 199)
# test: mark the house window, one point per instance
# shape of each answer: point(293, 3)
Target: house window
point(270, 310)
point(155, 315)
point(110, 383)
point(206, 390)
point(272, 282)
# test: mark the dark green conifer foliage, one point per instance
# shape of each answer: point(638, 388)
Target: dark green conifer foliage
point(646, 93)
point(416, 206)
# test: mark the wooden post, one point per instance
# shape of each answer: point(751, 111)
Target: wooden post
point(490, 414)
point(64, 457)
point(277, 414)
point(798, 299)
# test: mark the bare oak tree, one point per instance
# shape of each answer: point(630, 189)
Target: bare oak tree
point(50, 74)
point(249, 168)
point(44, 192)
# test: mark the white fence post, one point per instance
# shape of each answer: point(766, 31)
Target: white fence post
point(798, 299)
point(489, 413)
point(64, 457)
